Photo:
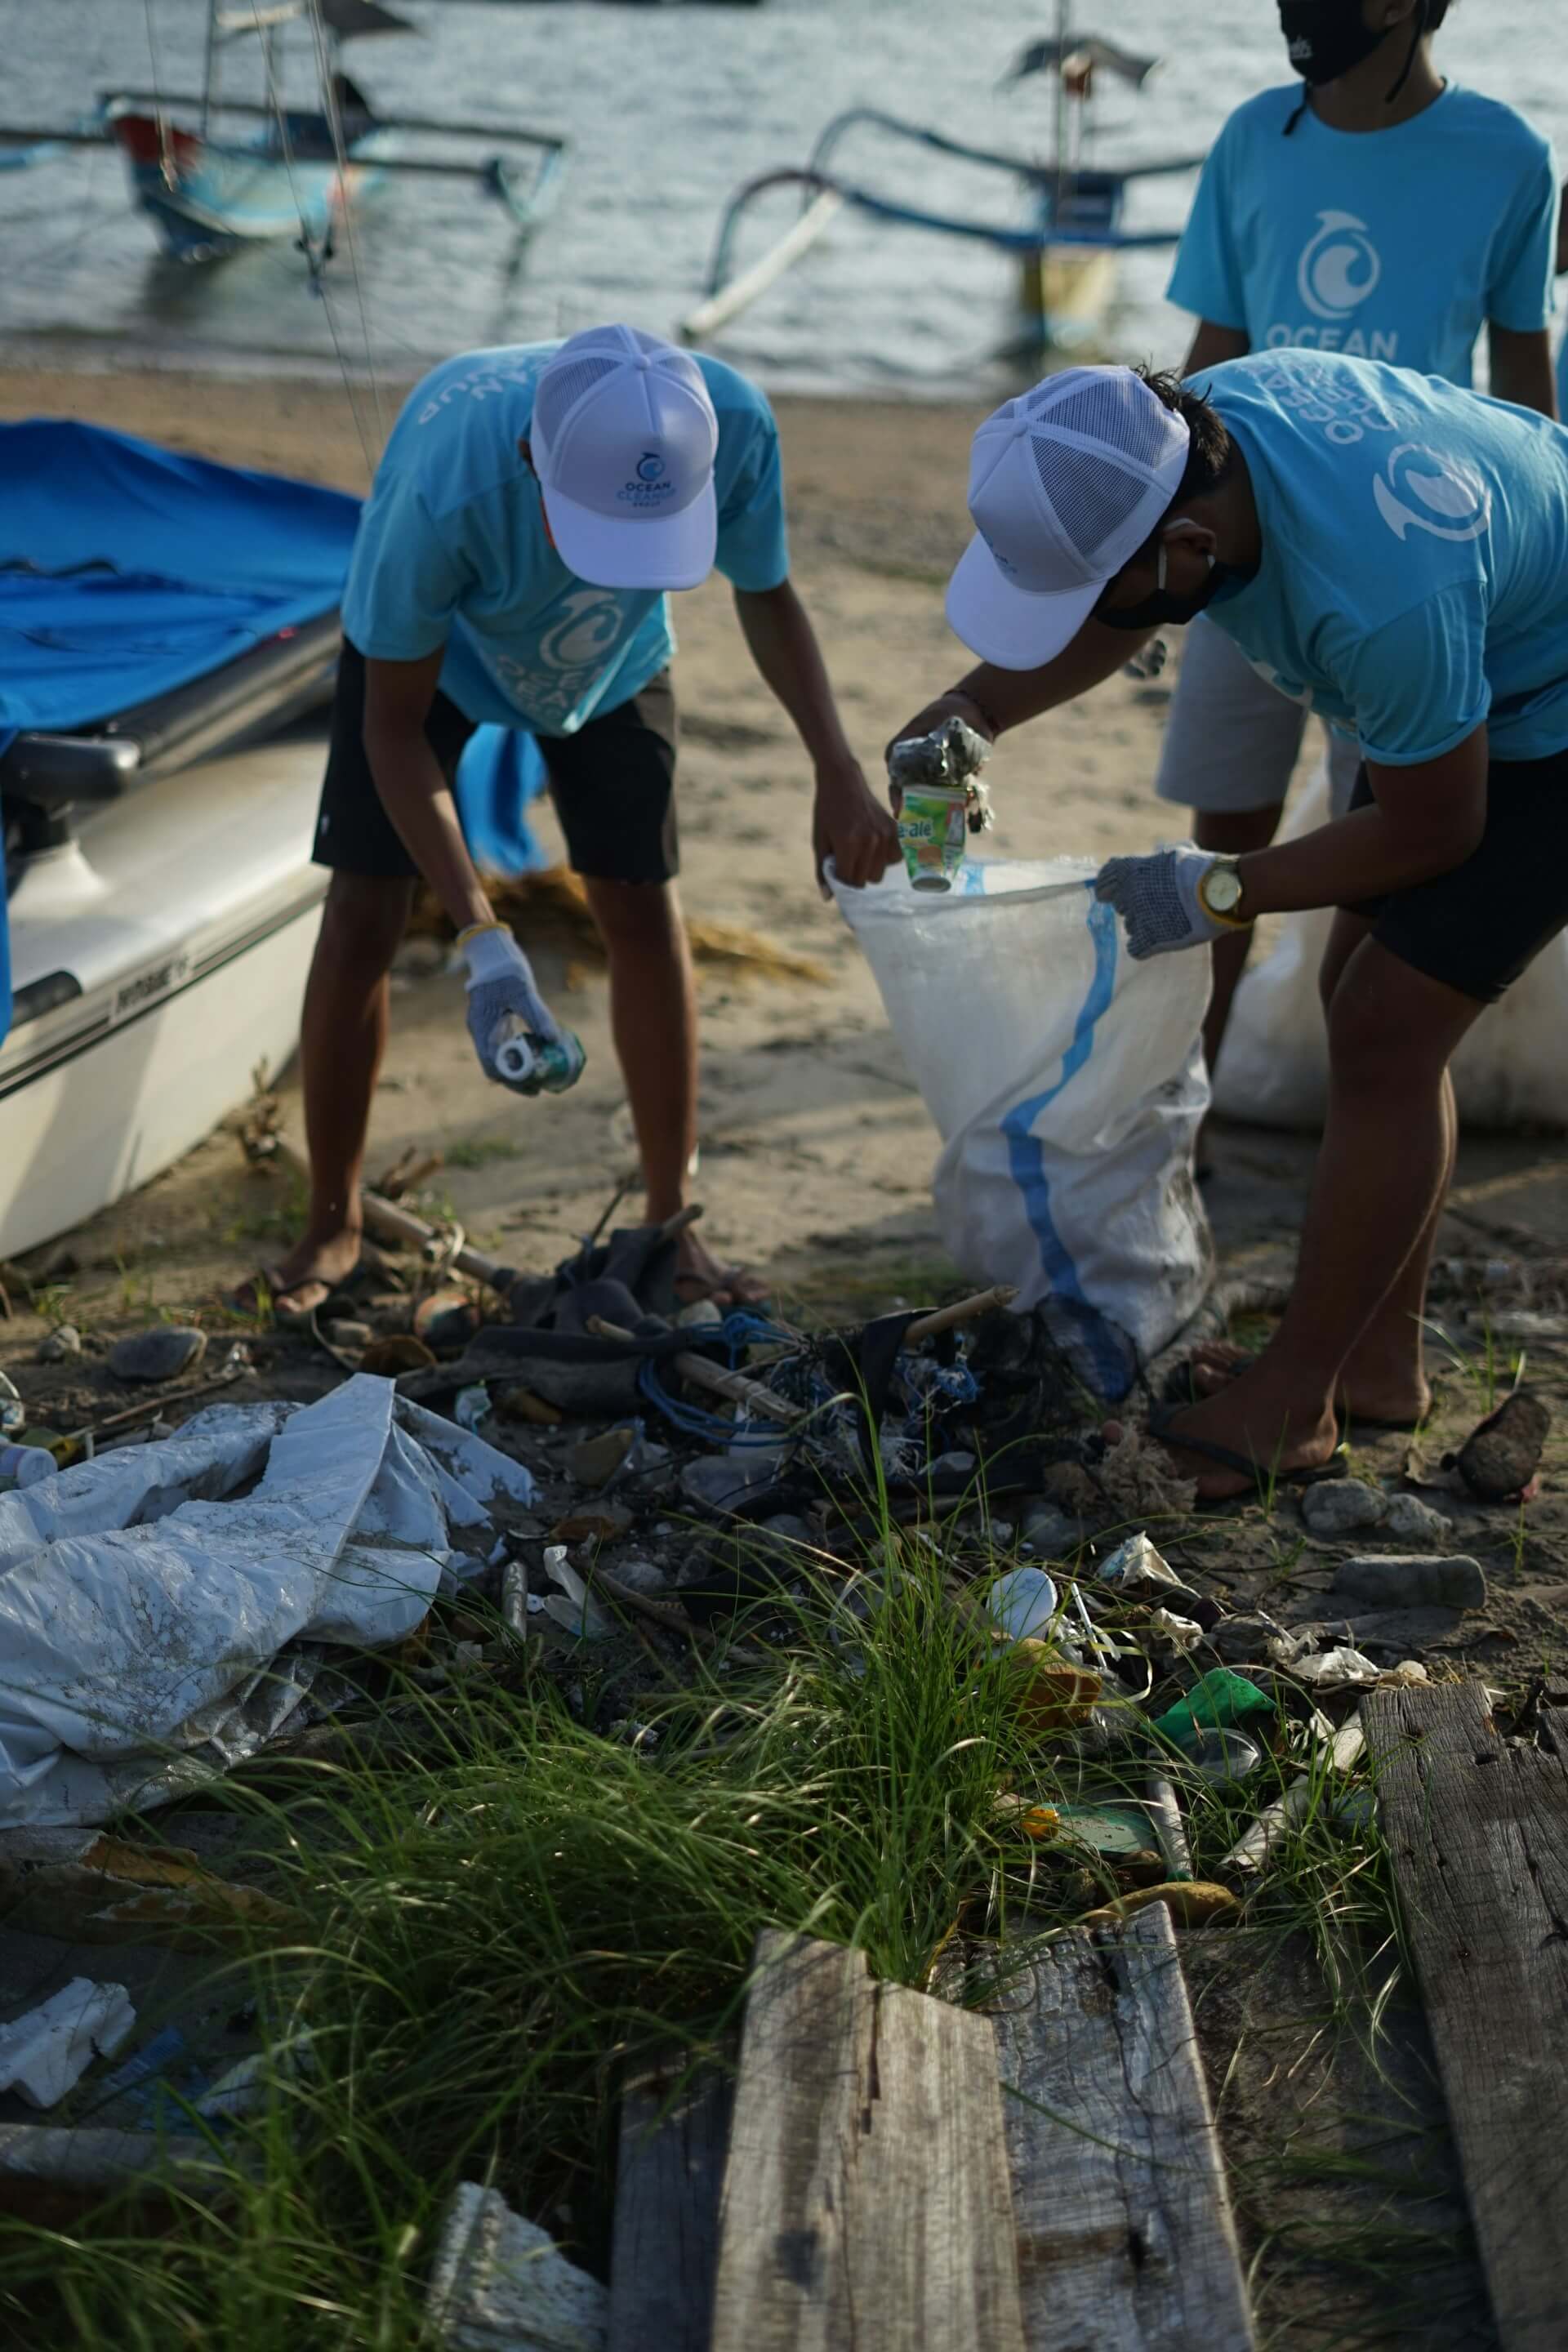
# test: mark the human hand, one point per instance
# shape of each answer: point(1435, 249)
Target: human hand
point(954, 704)
point(1157, 898)
point(506, 1011)
point(849, 824)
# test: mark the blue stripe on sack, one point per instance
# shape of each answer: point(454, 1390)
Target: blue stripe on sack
point(1027, 1161)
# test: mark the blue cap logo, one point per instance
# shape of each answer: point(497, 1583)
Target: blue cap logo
point(650, 466)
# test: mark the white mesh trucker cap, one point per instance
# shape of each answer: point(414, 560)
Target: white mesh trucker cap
point(1065, 484)
point(624, 438)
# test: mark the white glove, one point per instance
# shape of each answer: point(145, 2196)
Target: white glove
point(1157, 898)
point(505, 1007)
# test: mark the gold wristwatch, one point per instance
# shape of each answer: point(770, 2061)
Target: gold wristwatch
point(1220, 895)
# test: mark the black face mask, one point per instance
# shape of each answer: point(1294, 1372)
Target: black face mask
point(1164, 604)
point(1326, 39)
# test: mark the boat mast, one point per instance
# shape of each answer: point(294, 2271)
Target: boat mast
point(213, 68)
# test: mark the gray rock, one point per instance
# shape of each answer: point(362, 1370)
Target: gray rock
point(638, 1576)
point(162, 1354)
point(1415, 1521)
point(1339, 1506)
point(1413, 1581)
point(62, 1342)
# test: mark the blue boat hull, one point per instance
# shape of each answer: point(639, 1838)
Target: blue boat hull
point(209, 197)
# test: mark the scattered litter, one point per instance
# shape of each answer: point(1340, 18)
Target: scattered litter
point(1500, 1457)
point(161, 1354)
point(1252, 1851)
point(23, 1465)
point(1406, 1675)
point(1413, 1581)
point(1191, 1902)
point(1139, 1481)
point(1223, 1757)
point(1165, 1814)
point(1246, 1640)
point(522, 1405)
point(44, 2054)
point(1337, 1670)
point(594, 1461)
point(501, 2284)
point(1180, 1635)
point(63, 1341)
point(1136, 1569)
point(594, 1523)
point(1219, 1700)
point(470, 1406)
point(12, 1412)
point(574, 1607)
point(1119, 1831)
point(1058, 1696)
point(153, 1633)
point(1023, 1603)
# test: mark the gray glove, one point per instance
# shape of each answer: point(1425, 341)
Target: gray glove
point(520, 1044)
point(1157, 898)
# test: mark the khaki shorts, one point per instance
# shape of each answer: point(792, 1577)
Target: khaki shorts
point(1232, 740)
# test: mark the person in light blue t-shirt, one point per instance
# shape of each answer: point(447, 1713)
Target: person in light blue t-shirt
point(532, 510)
point(1371, 208)
point(1389, 550)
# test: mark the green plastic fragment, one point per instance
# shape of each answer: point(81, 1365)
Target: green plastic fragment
point(1219, 1698)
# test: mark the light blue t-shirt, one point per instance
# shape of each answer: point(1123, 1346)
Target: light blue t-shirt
point(452, 548)
point(1414, 573)
point(1393, 245)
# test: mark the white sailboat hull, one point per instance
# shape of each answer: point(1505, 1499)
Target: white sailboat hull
point(155, 961)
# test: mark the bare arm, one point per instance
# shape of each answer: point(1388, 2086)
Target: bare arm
point(1425, 821)
point(1212, 346)
point(414, 791)
point(849, 824)
point(991, 700)
point(1522, 369)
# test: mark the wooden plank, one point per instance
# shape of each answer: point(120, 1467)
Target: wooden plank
point(1479, 1833)
point(1126, 2242)
point(667, 2183)
point(866, 2205)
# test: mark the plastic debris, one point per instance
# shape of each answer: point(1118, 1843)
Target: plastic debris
point(1023, 1603)
point(44, 2054)
point(594, 1461)
point(1219, 1698)
point(1191, 1902)
point(12, 1412)
point(470, 1406)
point(1251, 1852)
point(161, 1354)
point(63, 1343)
point(1178, 1633)
point(1337, 1670)
point(574, 1608)
point(23, 1465)
point(501, 2284)
point(1057, 1696)
point(1413, 1581)
point(1136, 1569)
point(1248, 1640)
point(1223, 1757)
point(1406, 1675)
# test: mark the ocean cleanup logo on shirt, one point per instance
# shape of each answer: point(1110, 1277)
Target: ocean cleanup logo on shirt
point(650, 489)
point(1418, 489)
point(1339, 270)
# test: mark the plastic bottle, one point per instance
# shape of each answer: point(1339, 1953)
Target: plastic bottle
point(23, 1465)
point(542, 1065)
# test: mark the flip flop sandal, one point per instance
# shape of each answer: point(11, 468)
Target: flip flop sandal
point(1180, 1389)
point(1225, 1457)
point(341, 1296)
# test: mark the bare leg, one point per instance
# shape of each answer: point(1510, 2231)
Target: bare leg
point(341, 1041)
point(653, 1015)
point(1230, 834)
point(1378, 1189)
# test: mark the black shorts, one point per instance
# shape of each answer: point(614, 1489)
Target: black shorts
point(1477, 927)
point(613, 784)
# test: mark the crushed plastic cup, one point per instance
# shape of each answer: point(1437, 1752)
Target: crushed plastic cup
point(933, 835)
point(1023, 1603)
point(1223, 1757)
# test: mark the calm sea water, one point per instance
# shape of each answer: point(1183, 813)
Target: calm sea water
point(666, 110)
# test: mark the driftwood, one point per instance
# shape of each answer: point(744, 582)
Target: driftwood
point(1479, 1833)
point(1125, 2237)
point(866, 2200)
point(667, 2184)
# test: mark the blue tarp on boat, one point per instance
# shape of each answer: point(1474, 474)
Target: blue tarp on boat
point(128, 571)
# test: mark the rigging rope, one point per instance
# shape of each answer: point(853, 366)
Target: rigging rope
point(335, 125)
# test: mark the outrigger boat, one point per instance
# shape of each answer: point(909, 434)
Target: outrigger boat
point(1065, 248)
point(209, 193)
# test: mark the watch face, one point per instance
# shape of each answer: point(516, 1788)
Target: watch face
point(1222, 888)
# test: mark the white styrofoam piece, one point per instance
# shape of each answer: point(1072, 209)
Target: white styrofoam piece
point(46, 2052)
point(501, 2284)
